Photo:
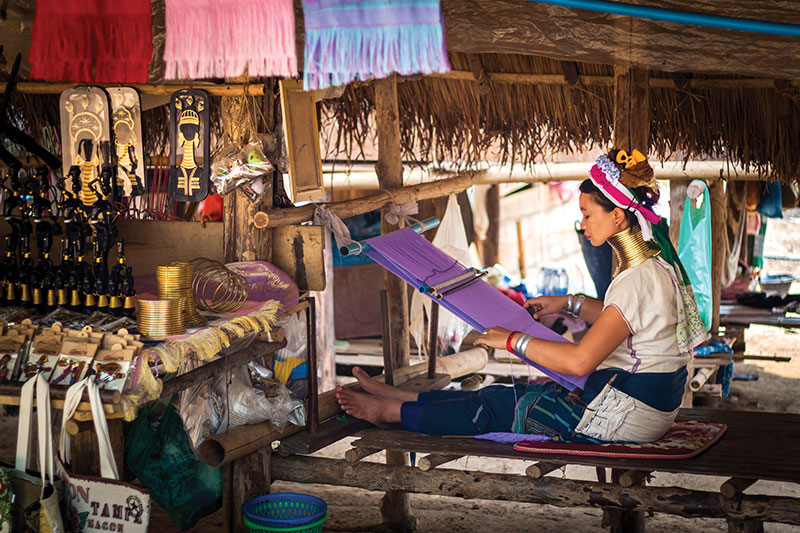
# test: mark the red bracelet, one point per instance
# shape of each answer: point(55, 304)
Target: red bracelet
point(508, 342)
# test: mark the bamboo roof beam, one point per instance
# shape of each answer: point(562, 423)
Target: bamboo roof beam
point(608, 81)
point(257, 89)
point(349, 208)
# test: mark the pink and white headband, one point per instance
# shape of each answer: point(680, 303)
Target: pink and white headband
point(605, 175)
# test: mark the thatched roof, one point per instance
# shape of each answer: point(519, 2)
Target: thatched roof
point(467, 121)
point(464, 121)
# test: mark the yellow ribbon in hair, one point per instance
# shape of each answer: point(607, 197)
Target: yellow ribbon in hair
point(631, 160)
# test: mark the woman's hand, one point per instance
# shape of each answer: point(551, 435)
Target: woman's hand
point(546, 305)
point(495, 337)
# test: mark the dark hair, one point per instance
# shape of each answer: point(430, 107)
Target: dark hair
point(651, 197)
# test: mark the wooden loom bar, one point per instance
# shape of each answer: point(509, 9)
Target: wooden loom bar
point(162, 89)
point(349, 208)
point(548, 490)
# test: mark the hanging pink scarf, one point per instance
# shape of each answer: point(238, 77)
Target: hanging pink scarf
point(222, 38)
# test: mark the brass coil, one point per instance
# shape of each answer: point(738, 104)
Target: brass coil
point(217, 288)
point(175, 283)
point(158, 319)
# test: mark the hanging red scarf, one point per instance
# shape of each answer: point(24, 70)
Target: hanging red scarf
point(102, 41)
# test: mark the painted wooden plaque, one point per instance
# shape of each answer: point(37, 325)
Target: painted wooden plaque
point(189, 160)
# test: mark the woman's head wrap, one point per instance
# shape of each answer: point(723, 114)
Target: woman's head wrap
point(616, 175)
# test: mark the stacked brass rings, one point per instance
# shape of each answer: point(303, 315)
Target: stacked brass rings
point(217, 288)
point(175, 283)
point(158, 319)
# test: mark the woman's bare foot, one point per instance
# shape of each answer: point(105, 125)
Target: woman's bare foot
point(375, 409)
point(375, 387)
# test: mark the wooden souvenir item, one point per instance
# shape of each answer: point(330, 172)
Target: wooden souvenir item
point(189, 145)
point(112, 365)
point(302, 141)
point(85, 137)
point(126, 123)
point(10, 348)
point(42, 357)
point(73, 362)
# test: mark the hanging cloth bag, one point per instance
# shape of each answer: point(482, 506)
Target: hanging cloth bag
point(694, 247)
point(98, 503)
point(35, 506)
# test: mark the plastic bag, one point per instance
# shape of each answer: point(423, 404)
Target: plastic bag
point(452, 240)
point(158, 453)
point(241, 166)
point(694, 247)
point(771, 204)
point(230, 399)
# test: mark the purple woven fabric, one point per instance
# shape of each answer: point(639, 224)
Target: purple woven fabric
point(412, 258)
point(512, 438)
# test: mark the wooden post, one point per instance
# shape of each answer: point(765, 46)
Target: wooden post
point(243, 480)
point(433, 343)
point(242, 241)
point(248, 476)
point(631, 131)
point(326, 335)
point(631, 109)
point(491, 245)
point(390, 174)
point(677, 197)
point(396, 505)
point(719, 214)
point(521, 250)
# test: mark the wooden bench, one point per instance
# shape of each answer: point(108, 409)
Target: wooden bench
point(756, 446)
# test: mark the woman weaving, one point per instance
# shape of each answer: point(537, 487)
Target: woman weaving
point(635, 353)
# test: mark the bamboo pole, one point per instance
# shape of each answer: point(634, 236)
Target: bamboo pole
point(608, 81)
point(240, 441)
point(161, 89)
point(236, 89)
point(349, 208)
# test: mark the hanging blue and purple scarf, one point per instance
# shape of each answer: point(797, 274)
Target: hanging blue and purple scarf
point(348, 40)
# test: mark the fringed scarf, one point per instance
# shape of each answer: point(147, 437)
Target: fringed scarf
point(100, 41)
point(222, 38)
point(347, 40)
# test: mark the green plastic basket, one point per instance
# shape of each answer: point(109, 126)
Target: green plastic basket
point(316, 527)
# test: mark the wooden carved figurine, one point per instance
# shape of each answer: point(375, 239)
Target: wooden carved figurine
point(85, 129)
point(189, 155)
point(127, 125)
